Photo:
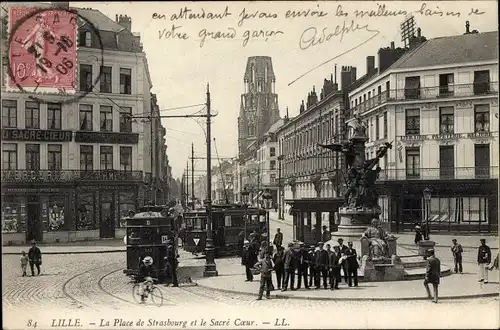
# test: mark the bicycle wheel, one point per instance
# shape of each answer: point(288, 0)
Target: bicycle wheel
point(136, 293)
point(156, 296)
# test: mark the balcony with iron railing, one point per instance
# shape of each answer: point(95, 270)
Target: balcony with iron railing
point(444, 173)
point(69, 176)
point(428, 93)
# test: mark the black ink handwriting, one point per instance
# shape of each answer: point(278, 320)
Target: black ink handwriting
point(244, 16)
point(435, 12)
point(475, 11)
point(381, 11)
point(375, 33)
point(305, 13)
point(340, 12)
point(216, 35)
point(259, 34)
point(186, 13)
point(173, 33)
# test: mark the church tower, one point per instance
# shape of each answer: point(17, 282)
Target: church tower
point(259, 103)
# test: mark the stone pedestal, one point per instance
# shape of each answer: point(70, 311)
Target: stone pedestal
point(354, 222)
point(424, 247)
point(387, 269)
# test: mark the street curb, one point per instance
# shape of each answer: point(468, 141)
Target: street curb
point(280, 296)
point(69, 252)
point(441, 246)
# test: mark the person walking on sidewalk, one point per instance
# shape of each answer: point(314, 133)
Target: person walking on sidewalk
point(278, 238)
point(457, 251)
point(248, 259)
point(279, 266)
point(432, 274)
point(35, 258)
point(483, 260)
point(265, 266)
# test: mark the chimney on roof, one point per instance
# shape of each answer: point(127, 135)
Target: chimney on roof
point(388, 55)
point(124, 21)
point(417, 40)
point(302, 107)
point(347, 76)
point(392, 44)
point(467, 27)
point(370, 64)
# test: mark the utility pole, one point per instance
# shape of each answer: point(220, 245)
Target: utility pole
point(210, 267)
point(192, 173)
point(281, 186)
point(187, 183)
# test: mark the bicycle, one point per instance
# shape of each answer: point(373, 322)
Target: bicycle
point(150, 290)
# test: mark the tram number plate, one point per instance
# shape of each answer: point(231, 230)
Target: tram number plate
point(148, 222)
point(164, 239)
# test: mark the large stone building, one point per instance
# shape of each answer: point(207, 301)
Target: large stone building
point(438, 105)
point(72, 171)
point(259, 105)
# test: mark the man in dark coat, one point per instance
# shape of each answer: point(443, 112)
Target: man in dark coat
point(303, 265)
point(457, 250)
point(290, 263)
point(278, 238)
point(279, 265)
point(483, 260)
point(265, 266)
point(241, 241)
point(171, 263)
point(334, 267)
point(322, 266)
point(352, 264)
point(312, 266)
point(248, 259)
point(343, 251)
point(432, 274)
point(35, 258)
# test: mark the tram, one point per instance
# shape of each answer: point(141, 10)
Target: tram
point(228, 228)
point(148, 232)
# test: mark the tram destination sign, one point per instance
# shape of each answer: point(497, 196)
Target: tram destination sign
point(36, 135)
point(107, 137)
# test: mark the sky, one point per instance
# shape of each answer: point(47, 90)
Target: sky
point(181, 68)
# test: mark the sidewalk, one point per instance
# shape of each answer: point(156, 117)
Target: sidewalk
point(407, 239)
point(231, 279)
point(83, 247)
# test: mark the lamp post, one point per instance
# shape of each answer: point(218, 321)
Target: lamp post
point(425, 245)
point(280, 190)
point(244, 195)
point(268, 199)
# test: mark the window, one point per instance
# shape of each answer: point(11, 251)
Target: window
point(88, 39)
point(106, 123)
point(126, 158)
point(412, 87)
point(106, 158)
point(481, 82)
point(125, 119)
point(86, 158)
point(273, 178)
point(482, 118)
point(272, 151)
point(9, 156)
point(482, 161)
point(54, 153)
point(9, 113)
point(251, 130)
point(412, 121)
point(385, 125)
point(273, 165)
point(32, 114)
point(377, 127)
point(446, 120)
point(33, 157)
point(86, 117)
point(413, 162)
point(54, 116)
point(446, 84)
point(86, 77)
point(105, 80)
point(125, 81)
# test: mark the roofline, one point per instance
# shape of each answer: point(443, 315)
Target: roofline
point(423, 68)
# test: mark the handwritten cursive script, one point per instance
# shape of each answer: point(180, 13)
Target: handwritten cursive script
point(312, 37)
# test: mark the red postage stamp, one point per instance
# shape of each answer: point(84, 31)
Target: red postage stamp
point(43, 51)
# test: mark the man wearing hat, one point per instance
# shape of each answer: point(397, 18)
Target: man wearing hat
point(456, 250)
point(278, 238)
point(352, 264)
point(171, 263)
point(432, 274)
point(322, 263)
point(343, 253)
point(248, 259)
point(483, 260)
point(303, 265)
point(289, 259)
point(35, 258)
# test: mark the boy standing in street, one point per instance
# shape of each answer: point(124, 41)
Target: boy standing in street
point(483, 260)
point(457, 251)
point(265, 266)
point(24, 262)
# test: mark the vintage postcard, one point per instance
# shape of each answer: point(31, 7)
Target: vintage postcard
point(250, 165)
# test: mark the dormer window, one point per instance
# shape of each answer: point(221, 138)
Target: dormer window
point(88, 39)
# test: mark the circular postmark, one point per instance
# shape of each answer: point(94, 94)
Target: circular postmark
point(42, 53)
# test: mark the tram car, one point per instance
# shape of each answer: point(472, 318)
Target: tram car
point(228, 228)
point(148, 232)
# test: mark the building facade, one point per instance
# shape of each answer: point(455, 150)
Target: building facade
point(72, 171)
point(438, 105)
point(259, 103)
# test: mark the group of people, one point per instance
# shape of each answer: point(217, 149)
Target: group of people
point(315, 266)
point(33, 258)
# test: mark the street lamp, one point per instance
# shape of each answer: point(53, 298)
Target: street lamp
point(244, 195)
point(268, 199)
point(427, 198)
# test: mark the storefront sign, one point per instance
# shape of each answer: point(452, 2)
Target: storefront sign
point(30, 190)
point(36, 135)
point(117, 187)
point(107, 137)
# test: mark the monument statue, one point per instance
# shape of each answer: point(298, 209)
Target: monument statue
point(377, 237)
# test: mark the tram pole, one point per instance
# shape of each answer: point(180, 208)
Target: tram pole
point(210, 267)
point(192, 173)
